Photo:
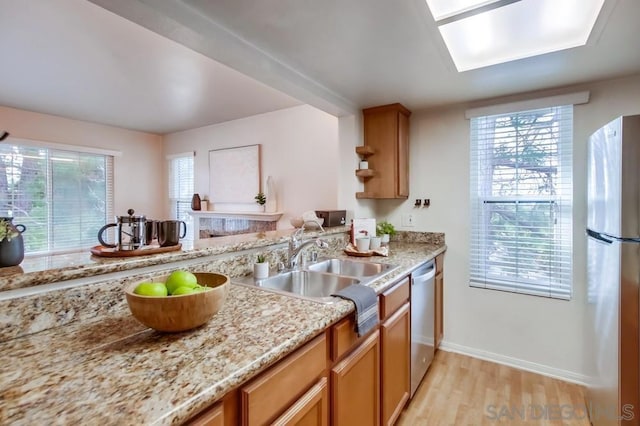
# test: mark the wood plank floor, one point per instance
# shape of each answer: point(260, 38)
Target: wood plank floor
point(460, 390)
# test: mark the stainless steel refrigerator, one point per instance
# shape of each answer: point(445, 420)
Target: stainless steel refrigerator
point(613, 270)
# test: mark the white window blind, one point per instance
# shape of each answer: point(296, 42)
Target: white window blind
point(181, 187)
point(521, 202)
point(62, 197)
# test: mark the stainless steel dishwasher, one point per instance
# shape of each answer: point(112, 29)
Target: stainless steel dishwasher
point(422, 322)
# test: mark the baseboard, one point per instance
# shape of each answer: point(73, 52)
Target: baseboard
point(556, 373)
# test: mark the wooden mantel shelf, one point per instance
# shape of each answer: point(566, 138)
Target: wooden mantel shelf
point(266, 217)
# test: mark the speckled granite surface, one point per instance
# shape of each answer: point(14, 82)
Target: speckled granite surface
point(47, 269)
point(109, 369)
point(115, 371)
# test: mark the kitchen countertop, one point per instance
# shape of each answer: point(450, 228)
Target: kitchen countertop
point(47, 269)
point(116, 371)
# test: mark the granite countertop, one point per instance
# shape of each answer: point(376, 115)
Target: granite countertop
point(60, 267)
point(116, 371)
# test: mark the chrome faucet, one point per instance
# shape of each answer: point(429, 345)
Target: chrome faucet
point(296, 247)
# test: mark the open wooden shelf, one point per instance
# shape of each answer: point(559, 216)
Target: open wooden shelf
point(364, 173)
point(364, 150)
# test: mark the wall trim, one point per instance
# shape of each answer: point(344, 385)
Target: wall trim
point(529, 104)
point(545, 370)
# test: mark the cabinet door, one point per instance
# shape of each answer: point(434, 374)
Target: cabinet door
point(439, 309)
point(310, 410)
point(395, 336)
point(403, 156)
point(355, 386)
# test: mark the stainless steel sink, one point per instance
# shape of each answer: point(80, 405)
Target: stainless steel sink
point(312, 285)
point(350, 268)
point(319, 280)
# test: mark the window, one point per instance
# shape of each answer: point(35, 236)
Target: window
point(181, 188)
point(62, 197)
point(521, 202)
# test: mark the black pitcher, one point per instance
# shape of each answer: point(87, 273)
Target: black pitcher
point(11, 247)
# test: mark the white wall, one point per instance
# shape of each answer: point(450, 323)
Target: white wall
point(136, 172)
point(299, 150)
point(351, 135)
point(532, 332)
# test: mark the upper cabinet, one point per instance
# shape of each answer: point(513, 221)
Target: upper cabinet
point(386, 143)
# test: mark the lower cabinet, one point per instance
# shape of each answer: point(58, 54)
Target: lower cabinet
point(355, 386)
point(287, 389)
point(312, 409)
point(213, 416)
point(337, 378)
point(395, 336)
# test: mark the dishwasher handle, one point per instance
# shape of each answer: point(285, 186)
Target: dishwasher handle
point(430, 273)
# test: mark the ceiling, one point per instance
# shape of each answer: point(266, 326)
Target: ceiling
point(75, 59)
point(78, 60)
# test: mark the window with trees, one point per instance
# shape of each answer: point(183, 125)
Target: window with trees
point(62, 197)
point(521, 201)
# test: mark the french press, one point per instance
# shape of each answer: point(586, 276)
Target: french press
point(130, 232)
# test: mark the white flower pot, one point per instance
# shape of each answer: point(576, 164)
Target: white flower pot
point(384, 238)
point(260, 270)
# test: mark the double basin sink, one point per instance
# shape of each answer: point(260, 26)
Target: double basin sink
point(319, 280)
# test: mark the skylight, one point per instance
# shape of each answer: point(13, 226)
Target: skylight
point(516, 30)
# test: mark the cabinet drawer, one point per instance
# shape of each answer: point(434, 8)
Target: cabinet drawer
point(344, 337)
point(277, 389)
point(392, 299)
point(311, 409)
point(213, 416)
point(439, 263)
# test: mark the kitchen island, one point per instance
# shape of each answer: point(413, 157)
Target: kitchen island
point(109, 369)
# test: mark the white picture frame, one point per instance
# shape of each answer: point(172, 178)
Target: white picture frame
point(234, 177)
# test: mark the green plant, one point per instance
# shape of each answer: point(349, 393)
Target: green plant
point(261, 258)
point(385, 227)
point(7, 232)
point(260, 198)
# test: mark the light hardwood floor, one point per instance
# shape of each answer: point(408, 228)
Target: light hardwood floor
point(460, 390)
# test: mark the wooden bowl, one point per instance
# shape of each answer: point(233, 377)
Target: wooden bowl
point(179, 313)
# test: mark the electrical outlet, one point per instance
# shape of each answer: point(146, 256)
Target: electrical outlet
point(407, 220)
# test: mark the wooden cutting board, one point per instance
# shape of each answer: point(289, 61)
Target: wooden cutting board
point(103, 251)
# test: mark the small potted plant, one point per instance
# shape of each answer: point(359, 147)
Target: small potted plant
point(261, 267)
point(384, 230)
point(261, 199)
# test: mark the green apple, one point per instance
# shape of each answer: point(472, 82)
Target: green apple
point(151, 289)
point(184, 290)
point(181, 278)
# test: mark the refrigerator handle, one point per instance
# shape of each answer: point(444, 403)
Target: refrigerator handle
point(606, 238)
point(598, 236)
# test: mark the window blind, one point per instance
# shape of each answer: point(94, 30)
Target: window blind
point(181, 187)
point(521, 202)
point(62, 197)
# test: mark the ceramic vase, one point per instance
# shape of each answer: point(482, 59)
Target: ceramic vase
point(272, 197)
point(260, 270)
point(12, 252)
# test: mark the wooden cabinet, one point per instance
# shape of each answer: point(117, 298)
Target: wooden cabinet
point(439, 301)
point(213, 416)
point(386, 136)
point(395, 350)
point(287, 389)
point(395, 343)
point(312, 409)
point(355, 386)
